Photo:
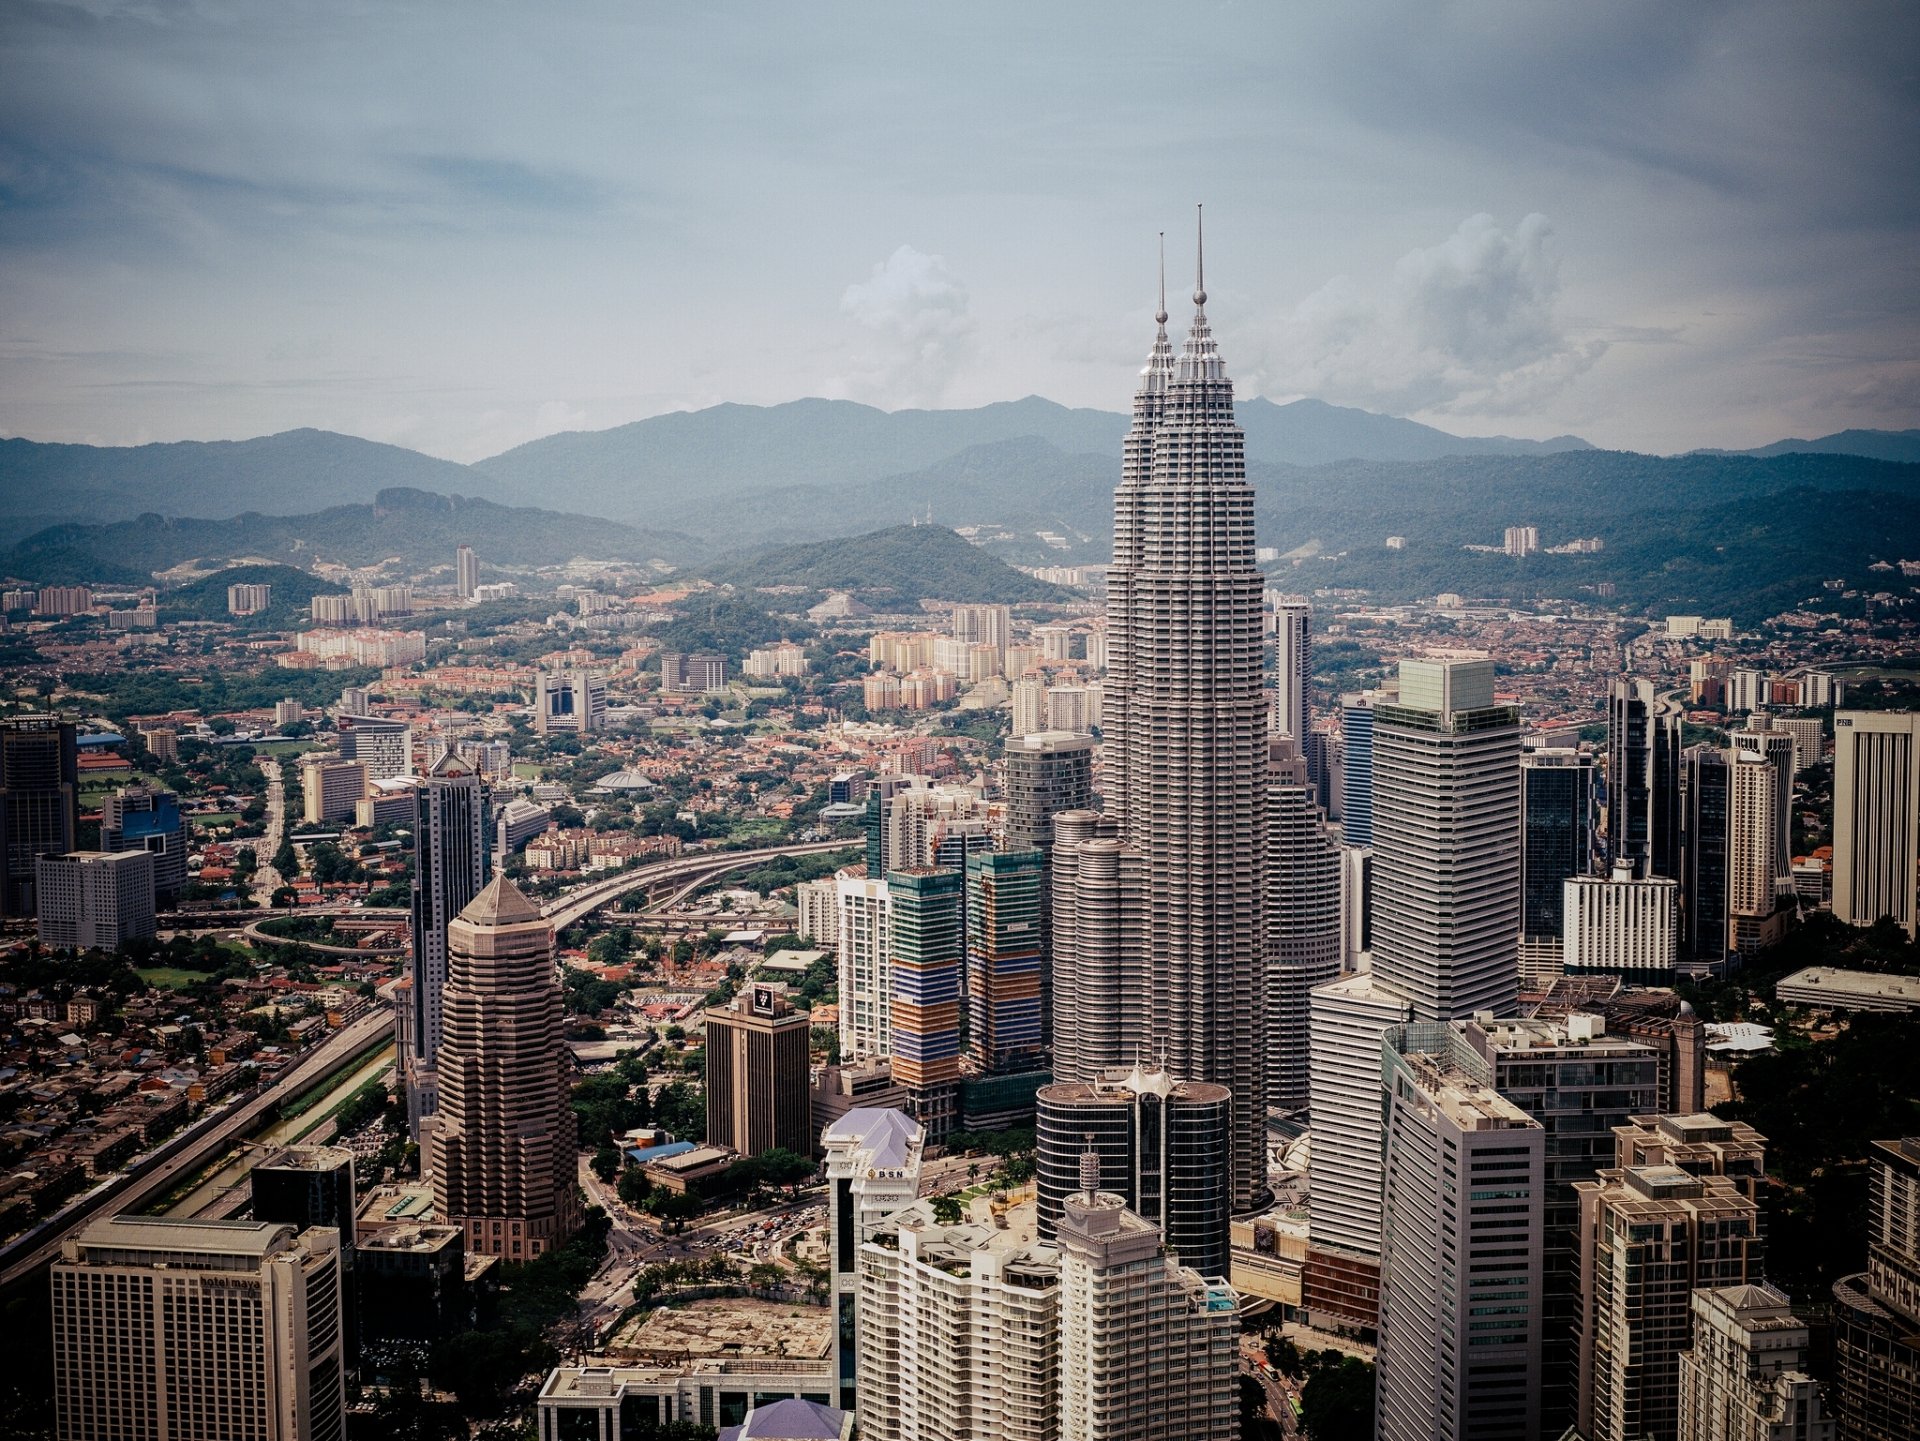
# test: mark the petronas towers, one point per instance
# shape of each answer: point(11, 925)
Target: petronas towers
point(1158, 900)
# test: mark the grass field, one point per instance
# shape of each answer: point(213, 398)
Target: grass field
point(169, 978)
point(528, 770)
point(281, 749)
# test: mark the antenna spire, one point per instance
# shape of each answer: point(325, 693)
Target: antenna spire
point(1200, 255)
point(1161, 314)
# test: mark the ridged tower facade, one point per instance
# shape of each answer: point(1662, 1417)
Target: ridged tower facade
point(502, 1142)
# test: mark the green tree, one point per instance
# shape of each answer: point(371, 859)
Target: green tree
point(1336, 1404)
point(947, 1210)
point(606, 1163)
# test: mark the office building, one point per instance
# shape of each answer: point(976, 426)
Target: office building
point(926, 958)
point(516, 823)
point(466, 572)
point(569, 702)
point(1356, 907)
point(1876, 816)
point(147, 818)
point(1764, 738)
point(1462, 1224)
point(1643, 777)
point(873, 1157)
point(384, 747)
point(1622, 925)
point(1006, 943)
point(1556, 792)
point(411, 1287)
point(1047, 772)
point(1349, 1019)
point(1703, 890)
point(1649, 1237)
point(1759, 878)
point(1099, 1004)
point(1356, 774)
point(94, 900)
point(1302, 933)
point(1877, 1312)
point(863, 968)
point(304, 1187)
point(450, 867)
point(757, 1073)
point(1809, 735)
point(248, 599)
point(176, 1328)
point(1745, 1378)
point(39, 802)
point(1579, 1082)
point(501, 1146)
point(1292, 712)
point(1162, 1145)
point(695, 674)
point(1184, 778)
point(1149, 1346)
point(331, 790)
point(1446, 869)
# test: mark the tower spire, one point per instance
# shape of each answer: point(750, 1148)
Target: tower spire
point(1199, 255)
point(1161, 314)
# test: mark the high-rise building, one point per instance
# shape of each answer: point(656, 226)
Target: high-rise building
point(873, 1169)
point(1701, 1144)
point(1148, 1345)
point(983, 625)
point(1029, 705)
point(1643, 777)
point(1302, 933)
point(757, 1081)
point(926, 958)
point(1876, 816)
point(1556, 791)
point(1047, 772)
point(1649, 1237)
point(39, 802)
point(306, 1186)
point(1292, 711)
point(466, 571)
point(1809, 741)
point(1006, 945)
point(384, 747)
point(331, 790)
point(864, 967)
point(248, 599)
point(1462, 1213)
point(175, 1328)
point(1356, 907)
point(817, 903)
point(94, 900)
point(147, 818)
point(1446, 869)
point(1579, 1083)
point(449, 869)
point(1099, 974)
point(1764, 738)
point(1757, 877)
point(1162, 1145)
point(1877, 1312)
point(1745, 1378)
point(697, 673)
point(569, 702)
point(501, 1145)
point(1622, 925)
point(1185, 728)
point(1356, 776)
point(1703, 886)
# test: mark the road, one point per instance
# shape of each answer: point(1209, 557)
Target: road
point(266, 880)
point(182, 1155)
point(695, 870)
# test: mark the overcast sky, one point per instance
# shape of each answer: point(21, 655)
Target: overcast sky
point(458, 226)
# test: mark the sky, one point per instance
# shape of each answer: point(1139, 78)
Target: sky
point(461, 226)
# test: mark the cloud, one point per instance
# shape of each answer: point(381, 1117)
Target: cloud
point(918, 330)
point(1469, 325)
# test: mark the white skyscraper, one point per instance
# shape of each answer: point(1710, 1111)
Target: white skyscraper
point(865, 976)
point(466, 567)
point(873, 1169)
point(1292, 669)
point(1876, 816)
point(1621, 925)
point(1755, 868)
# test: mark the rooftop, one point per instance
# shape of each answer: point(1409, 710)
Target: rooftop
point(256, 1239)
point(730, 1328)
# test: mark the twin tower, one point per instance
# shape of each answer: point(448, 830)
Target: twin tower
point(1157, 933)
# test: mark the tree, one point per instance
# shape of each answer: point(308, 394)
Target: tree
point(1336, 1404)
point(606, 1163)
point(765, 1275)
point(947, 1210)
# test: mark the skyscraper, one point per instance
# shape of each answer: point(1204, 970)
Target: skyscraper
point(1622, 925)
point(1643, 777)
point(757, 1094)
point(466, 566)
point(1005, 960)
point(873, 1168)
point(1098, 994)
point(1047, 772)
point(1557, 801)
point(1703, 885)
point(1302, 932)
point(384, 747)
point(147, 818)
point(1185, 725)
point(925, 960)
point(1746, 1377)
point(865, 909)
point(39, 802)
point(1776, 745)
point(1755, 869)
point(1356, 775)
point(1876, 816)
point(502, 1153)
point(1292, 709)
point(449, 868)
point(1878, 1310)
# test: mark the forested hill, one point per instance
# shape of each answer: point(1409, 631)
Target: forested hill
point(887, 568)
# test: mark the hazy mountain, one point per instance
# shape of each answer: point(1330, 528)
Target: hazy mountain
point(292, 473)
point(421, 528)
point(1901, 445)
point(206, 598)
point(1311, 432)
point(898, 566)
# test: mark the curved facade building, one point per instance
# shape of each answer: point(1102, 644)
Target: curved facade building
point(1163, 1146)
point(1302, 933)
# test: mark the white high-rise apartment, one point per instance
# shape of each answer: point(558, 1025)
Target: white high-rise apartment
point(1876, 816)
point(865, 974)
point(1071, 708)
point(1148, 1348)
point(983, 625)
point(818, 904)
point(1446, 840)
point(873, 1169)
point(1029, 706)
point(1460, 1254)
point(169, 1328)
point(384, 747)
point(1292, 668)
point(94, 900)
point(466, 567)
point(1621, 925)
point(1745, 1378)
point(1755, 866)
point(1777, 745)
point(1809, 741)
point(1302, 932)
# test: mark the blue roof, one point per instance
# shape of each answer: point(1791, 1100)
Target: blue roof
point(95, 739)
point(640, 1155)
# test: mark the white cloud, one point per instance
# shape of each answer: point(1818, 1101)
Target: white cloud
point(918, 329)
point(1469, 325)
